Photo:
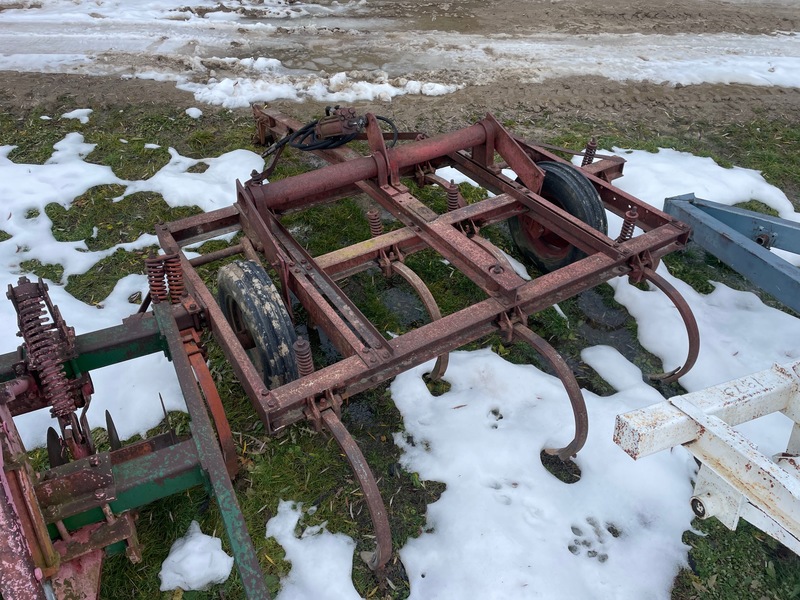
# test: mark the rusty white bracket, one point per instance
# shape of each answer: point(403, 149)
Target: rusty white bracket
point(735, 480)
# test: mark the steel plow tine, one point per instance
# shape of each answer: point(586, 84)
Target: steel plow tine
point(377, 509)
point(688, 319)
point(428, 300)
point(564, 373)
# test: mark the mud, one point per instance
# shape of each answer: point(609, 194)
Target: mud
point(587, 16)
point(594, 99)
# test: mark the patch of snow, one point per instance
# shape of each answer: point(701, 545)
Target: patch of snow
point(82, 114)
point(195, 562)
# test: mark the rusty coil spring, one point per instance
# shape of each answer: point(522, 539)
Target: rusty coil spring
point(155, 279)
point(302, 353)
point(628, 225)
point(375, 223)
point(589, 152)
point(43, 354)
point(174, 273)
point(453, 199)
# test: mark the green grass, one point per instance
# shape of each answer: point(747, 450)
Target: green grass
point(307, 466)
point(746, 563)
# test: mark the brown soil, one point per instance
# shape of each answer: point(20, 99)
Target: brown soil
point(589, 16)
point(594, 99)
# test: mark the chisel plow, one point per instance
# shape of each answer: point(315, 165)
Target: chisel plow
point(56, 525)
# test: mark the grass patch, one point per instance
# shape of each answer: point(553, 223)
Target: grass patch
point(745, 563)
point(103, 222)
point(305, 465)
point(759, 207)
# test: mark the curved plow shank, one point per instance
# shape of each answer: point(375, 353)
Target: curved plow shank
point(688, 318)
point(564, 373)
point(377, 510)
point(425, 295)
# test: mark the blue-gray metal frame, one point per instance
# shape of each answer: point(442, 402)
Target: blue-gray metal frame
point(741, 239)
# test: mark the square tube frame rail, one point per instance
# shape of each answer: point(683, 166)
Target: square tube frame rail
point(742, 239)
point(368, 358)
point(735, 479)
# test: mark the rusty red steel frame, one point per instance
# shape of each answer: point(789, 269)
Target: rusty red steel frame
point(369, 358)
point(55, 525)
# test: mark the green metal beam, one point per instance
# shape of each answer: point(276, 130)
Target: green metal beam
point(138, 336)
point(211, 458)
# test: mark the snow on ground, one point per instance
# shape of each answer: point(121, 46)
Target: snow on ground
point(26, 190)
point(616, 533)
point(195, 562)
point(321, 561)
point(504, 527)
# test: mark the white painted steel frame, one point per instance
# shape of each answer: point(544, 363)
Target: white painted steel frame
point(735, 480)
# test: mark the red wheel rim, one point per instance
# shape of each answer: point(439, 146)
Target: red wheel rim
point(542, 241)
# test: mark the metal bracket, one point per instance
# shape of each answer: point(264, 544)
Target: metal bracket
point(736, 480)
point(741, 238)
point(76, 486)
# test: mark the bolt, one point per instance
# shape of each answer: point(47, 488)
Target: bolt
point(496, 269)
point(698, 508)
point(193, 306)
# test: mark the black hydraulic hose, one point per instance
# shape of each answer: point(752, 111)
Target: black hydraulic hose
point(305, 138)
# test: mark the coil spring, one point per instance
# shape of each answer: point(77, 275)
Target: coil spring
point(453, 197)
point(174, 273)
point(588, 154)
point(302, 353)
point(375, 223)
point(38, 334)
point(628, 225)
point(155, 279)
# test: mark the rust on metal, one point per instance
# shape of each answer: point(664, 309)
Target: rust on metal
point(372, 496)
point(564, 373)
point(692, 330)
point(76, 486)
point(193, 349)
point(428, 301)
point(53, 368)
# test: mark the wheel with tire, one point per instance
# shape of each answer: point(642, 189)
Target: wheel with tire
point(256, 313)
point(567, 188)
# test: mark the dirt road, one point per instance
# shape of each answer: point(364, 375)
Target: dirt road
point(443, 38)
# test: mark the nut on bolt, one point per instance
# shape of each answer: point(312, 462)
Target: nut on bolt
point(698, 508)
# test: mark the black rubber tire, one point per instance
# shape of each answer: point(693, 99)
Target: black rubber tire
point(566, 187)
point(255, 311)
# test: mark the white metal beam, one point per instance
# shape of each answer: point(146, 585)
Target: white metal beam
point(735, 480)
